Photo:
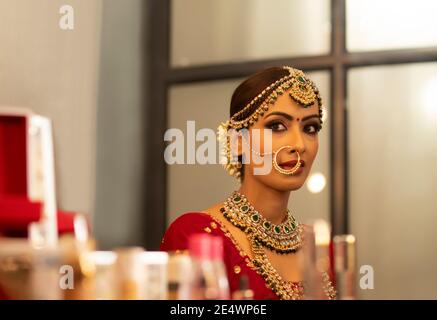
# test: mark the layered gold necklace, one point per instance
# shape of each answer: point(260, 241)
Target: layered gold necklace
point(282, 238)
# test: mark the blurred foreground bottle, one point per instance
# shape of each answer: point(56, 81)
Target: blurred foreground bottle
point(244, 292)
point(179, 267)
point(208, 279)
point(154, 275)
point(129, 277)
point(99, 268)
point(315, 263)
point(345, 262)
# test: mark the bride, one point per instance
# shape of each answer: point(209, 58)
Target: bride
point(261, 237)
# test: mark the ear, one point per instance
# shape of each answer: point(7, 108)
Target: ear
point(240, 145)
point(236, 144)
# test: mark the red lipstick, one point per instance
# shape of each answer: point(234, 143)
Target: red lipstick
point(291, 164)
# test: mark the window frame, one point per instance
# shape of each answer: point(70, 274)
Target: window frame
point(162, 76)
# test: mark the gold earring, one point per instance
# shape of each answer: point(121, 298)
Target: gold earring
point(284, 171)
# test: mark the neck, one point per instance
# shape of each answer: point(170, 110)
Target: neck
point(270, 203)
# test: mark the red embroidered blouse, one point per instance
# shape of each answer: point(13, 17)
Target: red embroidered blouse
point(176, 238)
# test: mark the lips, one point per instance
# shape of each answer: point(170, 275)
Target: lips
point(291, 164)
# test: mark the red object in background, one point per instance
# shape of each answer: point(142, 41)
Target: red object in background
point(17, 213)
point(16, 210)
point(13, 159)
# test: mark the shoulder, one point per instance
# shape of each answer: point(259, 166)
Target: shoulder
point(177, 234)
point(190, 219)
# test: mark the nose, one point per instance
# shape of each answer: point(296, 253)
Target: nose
point(297, 141)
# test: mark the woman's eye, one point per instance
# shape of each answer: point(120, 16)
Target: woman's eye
point(312, 128)
point(276, 126)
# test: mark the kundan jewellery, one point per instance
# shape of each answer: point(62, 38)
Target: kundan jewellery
point(282, 238)
point(300, 89)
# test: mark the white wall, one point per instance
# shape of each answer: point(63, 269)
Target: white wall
point(55, 73)
point(89, 82)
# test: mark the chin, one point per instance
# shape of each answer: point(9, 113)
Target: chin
point(292, 183)
point(291, 186)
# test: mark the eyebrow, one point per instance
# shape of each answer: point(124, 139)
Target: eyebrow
point(289, 117)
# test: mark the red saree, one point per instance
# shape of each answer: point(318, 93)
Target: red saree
point(237, 263)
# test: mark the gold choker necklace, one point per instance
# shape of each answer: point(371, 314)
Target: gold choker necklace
point(282, 238)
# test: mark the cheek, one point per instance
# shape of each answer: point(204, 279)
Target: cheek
point(312, 147)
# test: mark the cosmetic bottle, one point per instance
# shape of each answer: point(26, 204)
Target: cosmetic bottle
point(179, 266)
point(344, 265)
point(207, 278)
point(243, 292)
point(219, 268)
point(315, 261)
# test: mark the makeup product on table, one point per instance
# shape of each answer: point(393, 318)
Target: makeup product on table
point(315, 261)
point(153, 265)
point(179, 266)
point(345, 266)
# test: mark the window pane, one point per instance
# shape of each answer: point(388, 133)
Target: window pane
point(217, 31)
point(390, 24)
point(393, 186)
point(197, 187)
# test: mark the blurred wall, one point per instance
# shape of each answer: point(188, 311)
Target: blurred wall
point(55, 73)
point(88, 81)
point(120, 135)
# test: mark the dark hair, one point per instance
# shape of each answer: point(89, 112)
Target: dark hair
point(253, 86)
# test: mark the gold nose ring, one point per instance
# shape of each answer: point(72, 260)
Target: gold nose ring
point(284, 171)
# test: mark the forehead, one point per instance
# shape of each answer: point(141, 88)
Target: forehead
point(285, 103)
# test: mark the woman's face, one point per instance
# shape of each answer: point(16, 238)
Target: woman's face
point(290, 125)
